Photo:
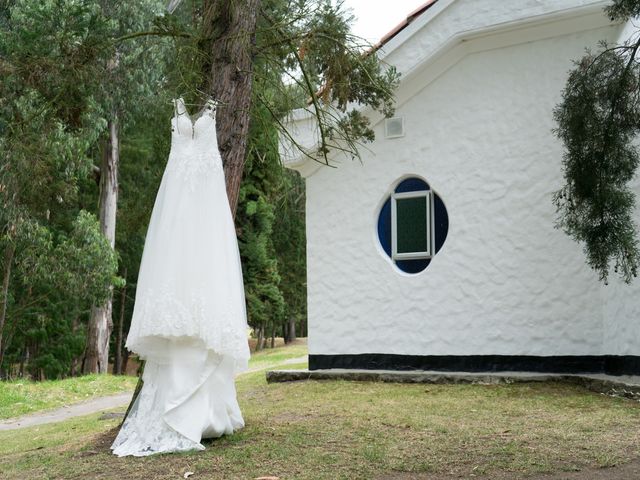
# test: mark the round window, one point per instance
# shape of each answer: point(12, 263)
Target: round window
point(412, 225)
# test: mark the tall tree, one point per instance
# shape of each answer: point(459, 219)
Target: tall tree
point(598, 121)
point(128, 78)
point(100, 324)
point(255, 218)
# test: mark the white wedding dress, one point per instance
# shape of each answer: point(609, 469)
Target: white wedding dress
point(189, 320)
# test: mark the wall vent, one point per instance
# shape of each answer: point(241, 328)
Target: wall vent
point(394, 127)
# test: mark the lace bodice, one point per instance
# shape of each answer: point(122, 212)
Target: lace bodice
point(194, 145)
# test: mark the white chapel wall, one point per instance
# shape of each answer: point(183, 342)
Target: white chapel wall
point(506, 281)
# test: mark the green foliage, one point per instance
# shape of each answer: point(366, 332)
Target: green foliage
point(289, 239)
point(55, 281)
point(598, 120)
point(255, 217)
point(63, 77)
point(80, 265)
point(272, 241)
point(51, 58)
point(331, 72)
point(621, 10)
point(85, 261)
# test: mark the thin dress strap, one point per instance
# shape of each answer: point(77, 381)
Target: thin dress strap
point(179, 108)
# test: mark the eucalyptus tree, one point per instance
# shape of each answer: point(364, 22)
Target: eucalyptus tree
point(133, 73)
point(51, 61)
point(598, 121)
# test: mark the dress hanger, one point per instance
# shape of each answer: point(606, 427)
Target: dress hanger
point(210, 108)
point(216, 103)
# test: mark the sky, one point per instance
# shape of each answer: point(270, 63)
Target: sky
point(377, 17)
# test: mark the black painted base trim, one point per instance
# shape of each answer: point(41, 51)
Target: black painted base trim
point(608, 364)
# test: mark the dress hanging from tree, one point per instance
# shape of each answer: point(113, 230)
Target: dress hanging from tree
point(189, 319)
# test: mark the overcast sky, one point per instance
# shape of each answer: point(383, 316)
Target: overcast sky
point(374, 18)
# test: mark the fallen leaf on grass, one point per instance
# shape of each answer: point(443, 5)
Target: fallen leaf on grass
point(188, 474)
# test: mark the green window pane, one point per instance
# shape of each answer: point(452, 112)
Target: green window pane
point(411, 221)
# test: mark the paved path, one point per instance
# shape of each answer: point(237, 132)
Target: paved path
point(290, 361)
point(97, 405)
point(66, 412)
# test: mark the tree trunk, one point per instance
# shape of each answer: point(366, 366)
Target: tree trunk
point(125, 361)
point(117, 364)
point(136, 392)
point(260, 342)
point(27, 360)
point(4, 294)
point(73, 371)
point(231, 25)
point(291, 331)
point(24, 358)
point(273, 337)
point(101, 323)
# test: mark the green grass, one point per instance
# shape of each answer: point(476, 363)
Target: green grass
point(22, 396)
point(357, 430)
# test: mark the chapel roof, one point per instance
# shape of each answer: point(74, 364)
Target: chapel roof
point(405, 23)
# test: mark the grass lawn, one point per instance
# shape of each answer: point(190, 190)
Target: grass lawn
point(22, 397)
point(356, 430)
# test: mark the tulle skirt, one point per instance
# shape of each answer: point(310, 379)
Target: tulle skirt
point(188, 394)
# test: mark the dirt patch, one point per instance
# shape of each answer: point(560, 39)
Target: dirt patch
point(103, 441)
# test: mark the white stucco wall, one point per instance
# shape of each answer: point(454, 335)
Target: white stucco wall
point(505, 282)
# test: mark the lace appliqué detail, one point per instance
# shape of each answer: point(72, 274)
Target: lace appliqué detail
point(194, 168)
point(145, 432)
point(160, 313)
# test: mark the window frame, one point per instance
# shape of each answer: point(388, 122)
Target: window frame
point(428, 195)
